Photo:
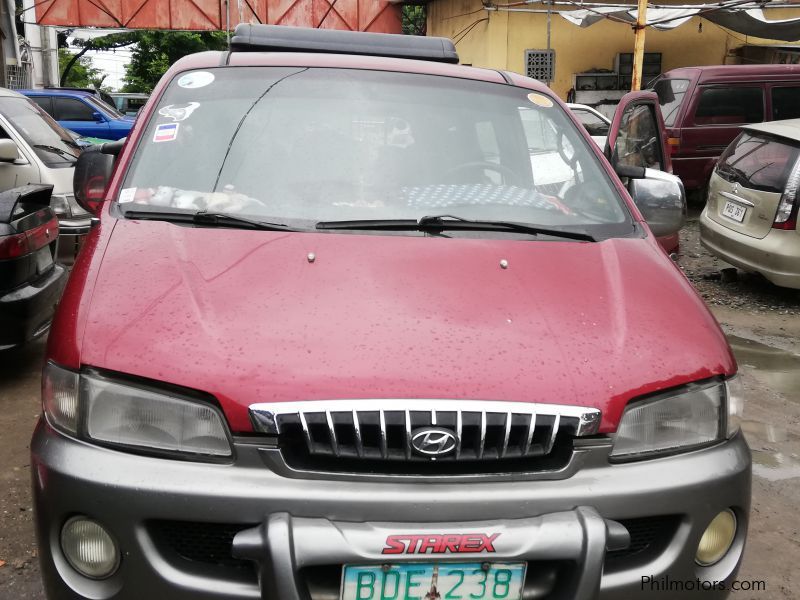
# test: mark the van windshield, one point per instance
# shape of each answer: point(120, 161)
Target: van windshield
point(303, 145)
point(52, 144)
point(670, 96)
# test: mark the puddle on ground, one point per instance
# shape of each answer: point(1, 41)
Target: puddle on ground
point(778, 369)
point(766, 432)
point(768, 462)
point(775, 466)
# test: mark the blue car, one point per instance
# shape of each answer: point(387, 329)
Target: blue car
point(83, 112)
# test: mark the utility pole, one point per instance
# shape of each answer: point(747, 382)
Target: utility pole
point(638, 46)
point(549, 14)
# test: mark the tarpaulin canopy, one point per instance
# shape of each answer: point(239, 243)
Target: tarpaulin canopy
point(748, 21)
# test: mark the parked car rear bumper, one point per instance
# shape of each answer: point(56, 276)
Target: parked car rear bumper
point(297, 529)
point(776, 256)
point(26, 312)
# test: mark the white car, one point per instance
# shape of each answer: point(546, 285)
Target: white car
point(36, 149)
point(595, 122)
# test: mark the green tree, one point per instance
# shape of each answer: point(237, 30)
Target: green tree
point(155, 51)
point(105, 42)
point(82, 74)
point(414, 19)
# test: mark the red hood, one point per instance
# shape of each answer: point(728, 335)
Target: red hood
point(245, 316)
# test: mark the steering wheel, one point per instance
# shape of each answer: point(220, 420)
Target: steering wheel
point(509, 176)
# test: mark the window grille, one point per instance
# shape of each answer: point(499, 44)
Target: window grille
point(539, 64)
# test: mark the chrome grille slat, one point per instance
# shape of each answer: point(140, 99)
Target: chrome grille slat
point(332, 433)
point(482, 445)
point(387, 430)
point(306, 432)
point(384, 441)
point(357, 431)
point(504, 450)
point(408, 435)
point(552, 439)
point(459, 426)
point(529, 436)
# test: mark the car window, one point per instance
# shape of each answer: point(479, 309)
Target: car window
point(305, 145)
point(47, 138)
point(785, 103)
point(758, 162)
point(730, 106)
point(70, 109)
point(44, 103)
point(593, 124)
point(671, 93)
point(638, 142)
point(103, 107)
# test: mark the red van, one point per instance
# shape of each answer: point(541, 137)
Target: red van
point(703, 108)
point(356, 322)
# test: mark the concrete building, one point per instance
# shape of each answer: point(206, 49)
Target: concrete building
point(593, 61)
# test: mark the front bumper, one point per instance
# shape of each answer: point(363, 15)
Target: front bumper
point(293, 533)
point(26, 312)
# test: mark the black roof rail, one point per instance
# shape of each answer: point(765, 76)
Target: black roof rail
point(277, 38)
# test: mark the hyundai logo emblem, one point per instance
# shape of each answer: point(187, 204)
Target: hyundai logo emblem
point(433, 441)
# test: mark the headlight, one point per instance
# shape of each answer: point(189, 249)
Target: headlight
point(98, 409)
point(696, 415)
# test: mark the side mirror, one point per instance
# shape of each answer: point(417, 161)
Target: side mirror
point(8, 151)
point(661, 198)
point(92, 176)
point(98, 117)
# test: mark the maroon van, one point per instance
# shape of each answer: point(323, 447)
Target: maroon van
point(704, 107)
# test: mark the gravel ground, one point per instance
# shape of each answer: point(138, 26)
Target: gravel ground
point(721, 285)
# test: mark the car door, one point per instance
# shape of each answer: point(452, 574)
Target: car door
point(637, 140)
point(637, 137)
point(713, 119)
point(74, 114)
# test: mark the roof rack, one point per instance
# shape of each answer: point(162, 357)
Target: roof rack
point(276, 38)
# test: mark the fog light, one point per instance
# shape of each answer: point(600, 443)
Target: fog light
point(717, 538)
point(89, 548)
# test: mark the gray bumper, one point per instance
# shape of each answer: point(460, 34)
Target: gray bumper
point(298, 532)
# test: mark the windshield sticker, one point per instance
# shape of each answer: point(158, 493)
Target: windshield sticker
point(540, 100)
point(179, 112)
point(166, 132)
point(195, 80)
point(127, 195)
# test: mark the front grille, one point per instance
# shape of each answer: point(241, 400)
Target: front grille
point(649, 537)
point(206, 543)
point(398, 432)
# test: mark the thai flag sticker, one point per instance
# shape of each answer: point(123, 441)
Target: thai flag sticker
point(166, 132)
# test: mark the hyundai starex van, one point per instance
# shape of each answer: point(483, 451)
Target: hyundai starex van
point(335, 333)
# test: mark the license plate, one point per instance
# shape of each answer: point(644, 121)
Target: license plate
point(434, 581)
point(734, 211)
point(44, 259)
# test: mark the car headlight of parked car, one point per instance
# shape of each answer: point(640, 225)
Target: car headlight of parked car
point(116, 413)
point(693, 416)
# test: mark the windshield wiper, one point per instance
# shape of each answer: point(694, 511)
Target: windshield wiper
point(55, 150)
point(206, 218)
point(440, 222)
